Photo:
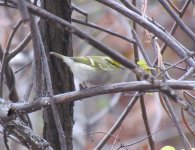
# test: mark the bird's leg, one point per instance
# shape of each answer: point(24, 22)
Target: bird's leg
point(82, 86)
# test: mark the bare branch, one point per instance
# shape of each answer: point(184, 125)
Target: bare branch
point(182, 25)
point(15, 28)
point(175, 120)
point(19, 48)
point(142, 86)
point(23, 10)
point(116, 56)
point(19, 129)
point(162, 34)
point(102, 29)
point(174, 27)
point(74, 7)
point(45, 75)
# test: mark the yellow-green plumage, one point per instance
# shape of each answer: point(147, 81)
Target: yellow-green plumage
point(95, 70)
point(99, 62)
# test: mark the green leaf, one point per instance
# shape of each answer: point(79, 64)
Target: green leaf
point(171, 148)
point(168, 148)
point(142, 64)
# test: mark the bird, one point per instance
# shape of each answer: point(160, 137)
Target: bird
point(92, 70)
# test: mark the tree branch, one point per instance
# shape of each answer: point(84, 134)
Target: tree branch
point(141, 86)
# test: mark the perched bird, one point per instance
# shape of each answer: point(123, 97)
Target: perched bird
point(92, 70)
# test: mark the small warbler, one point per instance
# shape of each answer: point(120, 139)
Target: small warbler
point(92, 70)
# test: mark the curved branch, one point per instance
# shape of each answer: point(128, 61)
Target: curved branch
point(102, 29)
point(152, 27)
point(41, 102)
point(182, 25)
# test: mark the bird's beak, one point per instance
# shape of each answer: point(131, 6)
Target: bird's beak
point(57, 55)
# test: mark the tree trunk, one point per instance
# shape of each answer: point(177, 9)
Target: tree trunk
point(57, 40)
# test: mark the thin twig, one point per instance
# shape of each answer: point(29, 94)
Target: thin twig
point(39, 48)
point(175, 64)
point(98, 116)
point(144, 4)
point(74, 7)
point(107, 134)
point(31, 80)
point(141, 48)
point(143, 108)
point(186, 124)
point(182, 112)
point(19, 48)
point(187, 74)
point(22, 67)
point(140, 140)
point(130, 6)
point(185, 94)
point(174, 7)
point(174, 27)
point(136, 142)
point(118, 122)
point(177, 125)
point(5, 139)
point(159, 56)
point(90, 24)
point(7, 5)
point(1, 75)
point(15, 28)
point(182, 25)
point(176, 67)
point(115, 140)
point(23, 10)
point(4, 58)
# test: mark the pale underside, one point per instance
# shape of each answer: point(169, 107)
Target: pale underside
point(95, 77)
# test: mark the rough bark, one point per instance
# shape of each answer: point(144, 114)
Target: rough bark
point(57, 40)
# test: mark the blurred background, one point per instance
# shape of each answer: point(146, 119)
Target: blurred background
point(96, 115)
